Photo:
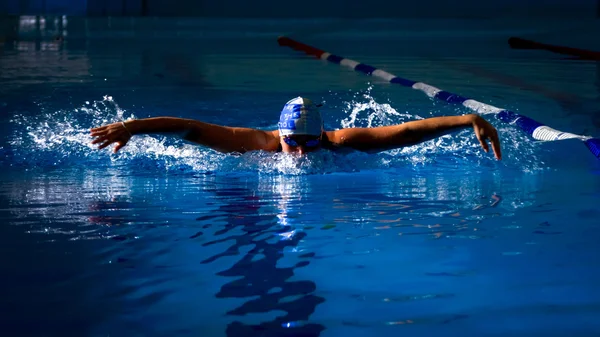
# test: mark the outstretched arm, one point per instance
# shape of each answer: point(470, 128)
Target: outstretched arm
point(218, 137)
point(414, 132)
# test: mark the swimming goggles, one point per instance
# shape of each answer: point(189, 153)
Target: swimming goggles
point(308, 143)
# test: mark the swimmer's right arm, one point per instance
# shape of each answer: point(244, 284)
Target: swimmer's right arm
point(218, 137)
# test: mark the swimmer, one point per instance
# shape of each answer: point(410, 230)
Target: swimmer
point(300, 130)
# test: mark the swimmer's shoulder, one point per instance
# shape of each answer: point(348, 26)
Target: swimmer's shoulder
point(330, 141)
point(271, 141)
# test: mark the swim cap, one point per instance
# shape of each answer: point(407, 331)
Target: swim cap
point(300, 116)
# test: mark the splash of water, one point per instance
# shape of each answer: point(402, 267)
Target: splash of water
point(455, 149)
point(375, 114)
point(58, 135)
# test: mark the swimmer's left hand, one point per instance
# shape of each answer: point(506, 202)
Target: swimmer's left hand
point(484, 131)
point(111, 133)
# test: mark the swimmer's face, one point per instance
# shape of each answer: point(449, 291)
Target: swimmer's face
point(300, 144)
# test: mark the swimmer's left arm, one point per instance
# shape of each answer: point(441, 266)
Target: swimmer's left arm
point(414, 132)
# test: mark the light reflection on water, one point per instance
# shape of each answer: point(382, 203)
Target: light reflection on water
point(156, 242)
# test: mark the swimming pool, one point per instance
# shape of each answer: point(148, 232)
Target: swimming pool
point(170, 239)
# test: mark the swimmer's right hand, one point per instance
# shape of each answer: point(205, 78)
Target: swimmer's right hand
point(111, 133)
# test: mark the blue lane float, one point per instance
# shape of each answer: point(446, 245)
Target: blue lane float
point(533, 128)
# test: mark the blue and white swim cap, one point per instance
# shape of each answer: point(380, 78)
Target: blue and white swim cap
point(300, 116)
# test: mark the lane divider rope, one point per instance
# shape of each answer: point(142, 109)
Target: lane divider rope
point(534, 128)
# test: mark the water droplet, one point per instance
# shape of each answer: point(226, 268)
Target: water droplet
point(292, 324)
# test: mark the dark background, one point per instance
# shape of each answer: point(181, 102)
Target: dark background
point(305, 8)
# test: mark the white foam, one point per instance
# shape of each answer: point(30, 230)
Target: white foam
point(378, 114)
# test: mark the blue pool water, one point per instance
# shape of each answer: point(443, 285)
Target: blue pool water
point(171, 239)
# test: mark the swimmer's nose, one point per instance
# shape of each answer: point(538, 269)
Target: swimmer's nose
point(301, 150)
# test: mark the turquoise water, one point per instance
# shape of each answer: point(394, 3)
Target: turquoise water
point(171, 239)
